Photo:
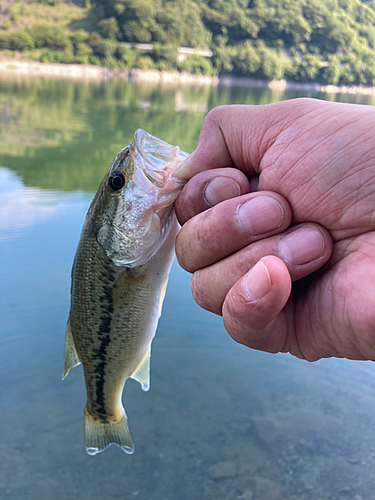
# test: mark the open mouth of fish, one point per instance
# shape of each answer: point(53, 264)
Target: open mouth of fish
point(158, 159)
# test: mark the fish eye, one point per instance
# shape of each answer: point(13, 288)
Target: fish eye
point(116, 181)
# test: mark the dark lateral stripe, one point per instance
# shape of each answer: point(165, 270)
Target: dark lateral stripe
point(104, 330)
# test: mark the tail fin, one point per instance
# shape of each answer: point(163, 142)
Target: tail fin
point(99, 435)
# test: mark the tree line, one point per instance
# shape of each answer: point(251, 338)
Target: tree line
point(327, 41)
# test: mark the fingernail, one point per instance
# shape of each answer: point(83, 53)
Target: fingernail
point(301, 246)
point(220, 189)
point(257, 281)
point(183, 170)
point(260, 215)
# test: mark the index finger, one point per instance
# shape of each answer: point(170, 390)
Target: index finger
point(240, 135)
point(230, 137)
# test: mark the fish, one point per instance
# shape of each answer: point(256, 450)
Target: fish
point(118, 282)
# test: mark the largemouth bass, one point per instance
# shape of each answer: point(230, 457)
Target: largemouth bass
point(119, 278)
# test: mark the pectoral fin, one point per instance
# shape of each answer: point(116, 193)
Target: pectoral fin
point(142, 372)
point(71, 356)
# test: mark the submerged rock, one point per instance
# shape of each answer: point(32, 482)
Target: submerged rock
point(222, 470)
point(247, 495)
point(266, 489)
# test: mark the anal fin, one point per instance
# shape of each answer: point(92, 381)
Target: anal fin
point(142, 373)
point(71, 357)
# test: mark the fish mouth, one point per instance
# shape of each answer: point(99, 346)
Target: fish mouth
point(152, 163)
point(157, 159)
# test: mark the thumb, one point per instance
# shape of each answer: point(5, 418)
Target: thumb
point(253, 309)
point(232, 136)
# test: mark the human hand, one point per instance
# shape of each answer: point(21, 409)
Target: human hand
point(311, 164)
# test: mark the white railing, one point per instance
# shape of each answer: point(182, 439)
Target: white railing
point(181, 50)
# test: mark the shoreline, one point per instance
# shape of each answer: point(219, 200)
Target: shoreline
point(91, 72)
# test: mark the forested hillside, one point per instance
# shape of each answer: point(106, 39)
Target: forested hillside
point(330, 41)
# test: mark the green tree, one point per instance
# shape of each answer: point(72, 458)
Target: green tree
point(309, 67)
point(246, 61)
point(83, 53)
point(182, 23)
point(197, 65)
point(332, 72)
point(272, 64)
point(79, 36)
point(145, 62)
point(108, 48)
point(167, 52)
point(21, 40)
point(126, 55)
point(95, 41)
point(108, 28)
point(5, 38)
point(240, 21)
point(222, 54)
point(49, 37)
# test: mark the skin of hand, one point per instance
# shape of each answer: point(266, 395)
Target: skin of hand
point(278, 226)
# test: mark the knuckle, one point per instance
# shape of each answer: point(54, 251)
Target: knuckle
point(215, 114)
point(200, 291)
point(182, 207)
point(234, 307)
point(188, 247)
point(214, 118)
point(243, 320)
point(181, 251)
point(191, 244)
point(234, 318)
point(235, 332)
point(191, 200)
point(193, 192)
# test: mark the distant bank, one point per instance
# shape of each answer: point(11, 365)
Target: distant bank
point(91, 72)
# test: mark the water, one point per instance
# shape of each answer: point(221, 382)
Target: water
point(220, 421)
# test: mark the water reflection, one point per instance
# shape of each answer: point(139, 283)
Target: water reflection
point(220, 422)
point(63, 133)
point(24, 207)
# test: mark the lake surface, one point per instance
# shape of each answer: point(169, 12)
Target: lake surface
point(221, 422)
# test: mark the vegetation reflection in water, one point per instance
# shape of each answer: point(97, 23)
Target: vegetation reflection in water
point(221, 422)
point(63, 134)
